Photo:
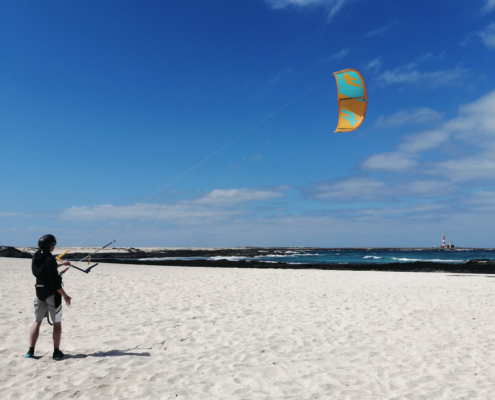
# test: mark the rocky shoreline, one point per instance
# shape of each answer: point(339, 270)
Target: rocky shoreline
point(472, 267)
point(150, 252)
point(135, 256)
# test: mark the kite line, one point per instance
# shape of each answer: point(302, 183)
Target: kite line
point(123, 214)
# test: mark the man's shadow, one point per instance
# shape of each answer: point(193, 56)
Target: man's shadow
point(111, 353)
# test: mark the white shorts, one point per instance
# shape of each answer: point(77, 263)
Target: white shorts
point(42, 308)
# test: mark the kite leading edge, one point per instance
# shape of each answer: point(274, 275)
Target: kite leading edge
point(352, 99)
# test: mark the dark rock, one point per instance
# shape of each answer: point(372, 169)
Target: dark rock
point(12, 252)
point(133, 253)
point(471, 267)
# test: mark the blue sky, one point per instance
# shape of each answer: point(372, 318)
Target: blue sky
point(210, 123)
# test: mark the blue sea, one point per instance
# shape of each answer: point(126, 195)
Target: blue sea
point(361, 256)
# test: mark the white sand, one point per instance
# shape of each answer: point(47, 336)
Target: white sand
point(206, 333)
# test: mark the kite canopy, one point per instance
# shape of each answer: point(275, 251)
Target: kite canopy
point(352, 99)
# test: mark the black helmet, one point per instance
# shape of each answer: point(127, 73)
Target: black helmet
point(46, 242)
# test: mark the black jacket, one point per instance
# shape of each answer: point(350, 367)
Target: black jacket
point(44, 268)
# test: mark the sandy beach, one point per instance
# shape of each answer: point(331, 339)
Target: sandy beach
point(214, 333)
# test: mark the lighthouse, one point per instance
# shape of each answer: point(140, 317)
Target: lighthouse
point(444, 246)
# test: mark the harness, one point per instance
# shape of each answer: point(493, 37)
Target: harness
point(44, 301)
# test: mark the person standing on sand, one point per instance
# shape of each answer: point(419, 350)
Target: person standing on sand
point(49, 294)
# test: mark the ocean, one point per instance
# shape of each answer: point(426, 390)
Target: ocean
point(359, 256)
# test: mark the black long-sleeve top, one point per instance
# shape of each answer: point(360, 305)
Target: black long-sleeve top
point(44, 268)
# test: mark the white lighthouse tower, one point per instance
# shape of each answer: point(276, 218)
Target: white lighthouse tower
point(445, 246)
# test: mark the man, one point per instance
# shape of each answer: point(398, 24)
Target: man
point(49, 294)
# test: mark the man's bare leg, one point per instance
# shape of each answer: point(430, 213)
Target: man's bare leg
point(57, 334)
point(34, 333)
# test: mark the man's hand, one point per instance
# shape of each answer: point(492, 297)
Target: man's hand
point(65, 296)
point(67, 300)
point(63, 263)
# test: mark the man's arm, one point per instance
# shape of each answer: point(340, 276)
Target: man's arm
point(65, 296)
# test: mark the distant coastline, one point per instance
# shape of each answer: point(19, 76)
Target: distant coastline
point(201, 257)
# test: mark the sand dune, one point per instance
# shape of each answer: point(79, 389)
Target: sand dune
point(208, 333)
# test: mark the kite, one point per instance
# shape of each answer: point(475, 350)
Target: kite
point(352, 99)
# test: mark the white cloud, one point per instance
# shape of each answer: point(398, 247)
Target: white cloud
point(286, 3)
point(473, 130)
point(332, 6)
point(417, 224)
point(423, 210)
point(483, 107)
point(413, 144)
point(411, 225)
point(476, 123)
point(487, 35)
point(380, 31)
point(426, 57)
point(374, 65)
point(216, 205)
point(430, 56)
point(465, 168)
point(340, 54)
point(181, 213)
point(363, 189)
point(482, 200)
point(357, 189)
point(280, 75)
point(235, 196)
point(11, 214)
point(394, 161)
point(425, 188)
point(489, 6)
point(6, 214)
point(415, 116)
point(410, 74)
